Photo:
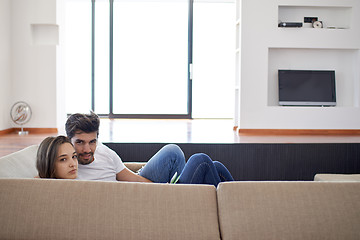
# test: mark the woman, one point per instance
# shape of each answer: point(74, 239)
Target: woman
point(56, 158)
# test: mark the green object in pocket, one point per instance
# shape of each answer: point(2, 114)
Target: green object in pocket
point(174, 178)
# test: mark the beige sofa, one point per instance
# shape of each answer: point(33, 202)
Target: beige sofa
point(69, 209)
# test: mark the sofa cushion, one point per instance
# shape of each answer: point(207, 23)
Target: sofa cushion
point(337, 177)
point(71, 209)
point(20, 164)
point(289, 210)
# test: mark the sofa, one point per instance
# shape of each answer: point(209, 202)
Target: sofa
point(71, 209)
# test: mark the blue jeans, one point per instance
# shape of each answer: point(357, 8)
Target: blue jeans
point(200, 169)
point(164, 164)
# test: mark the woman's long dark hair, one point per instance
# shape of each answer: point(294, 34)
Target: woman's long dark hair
point(47, 154)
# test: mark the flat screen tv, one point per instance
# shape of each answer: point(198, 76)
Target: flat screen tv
point(307, 87)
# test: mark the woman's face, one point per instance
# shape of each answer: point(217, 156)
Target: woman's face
point(66, 163)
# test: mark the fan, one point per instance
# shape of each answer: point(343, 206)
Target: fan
point(20, 113)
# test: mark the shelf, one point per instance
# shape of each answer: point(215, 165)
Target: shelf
point(334, 16)
point(315, 38)
point(238, 9)
point(316, 29)
point(334, 108)
point(317, 59)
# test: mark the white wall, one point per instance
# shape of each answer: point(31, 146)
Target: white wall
point(5, 56)
point(265, 48)
point(31, 63)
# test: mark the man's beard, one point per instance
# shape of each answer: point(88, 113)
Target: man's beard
point(86, 161)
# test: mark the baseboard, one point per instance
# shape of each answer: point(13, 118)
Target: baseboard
point(30, 130)
point(6, 131)
point(299, 131)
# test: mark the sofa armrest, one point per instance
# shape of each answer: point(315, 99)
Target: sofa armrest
point(337, 177)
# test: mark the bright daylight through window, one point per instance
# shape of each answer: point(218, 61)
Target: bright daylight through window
point(149, 56)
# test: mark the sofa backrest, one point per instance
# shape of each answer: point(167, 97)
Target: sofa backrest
point(68, 209)
point(289, 210)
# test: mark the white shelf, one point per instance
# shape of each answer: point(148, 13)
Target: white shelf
point(314, 38)
point(346, 70)
point(237, 63)
point(336, 16)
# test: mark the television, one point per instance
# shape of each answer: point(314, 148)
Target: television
point(307, 87)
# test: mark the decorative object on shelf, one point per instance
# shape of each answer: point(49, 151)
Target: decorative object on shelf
point(20, 114)
point(310, 19)
point(290, 24)
point(317, 24)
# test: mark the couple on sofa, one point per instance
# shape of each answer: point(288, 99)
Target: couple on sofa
point(80, 156)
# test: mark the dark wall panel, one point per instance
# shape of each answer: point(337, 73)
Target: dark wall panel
point(262, 162)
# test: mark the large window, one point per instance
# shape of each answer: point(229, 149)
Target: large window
point(131, 58)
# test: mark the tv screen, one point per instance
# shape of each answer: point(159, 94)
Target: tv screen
point(307, 87)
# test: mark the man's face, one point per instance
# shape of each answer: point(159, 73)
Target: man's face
point(85, 145)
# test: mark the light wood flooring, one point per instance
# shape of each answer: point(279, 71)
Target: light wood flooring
point(173, 131)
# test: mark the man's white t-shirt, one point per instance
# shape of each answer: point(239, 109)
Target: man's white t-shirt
point(105, 166)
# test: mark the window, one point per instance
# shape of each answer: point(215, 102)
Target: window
point(142, 51)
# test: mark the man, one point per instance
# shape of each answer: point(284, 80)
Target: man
point(98, 162)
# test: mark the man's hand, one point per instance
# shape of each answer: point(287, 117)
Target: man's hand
point(130, 176)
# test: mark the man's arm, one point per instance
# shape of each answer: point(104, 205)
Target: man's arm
point(129, 176)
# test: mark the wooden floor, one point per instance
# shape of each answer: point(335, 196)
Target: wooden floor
point(173, 131)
